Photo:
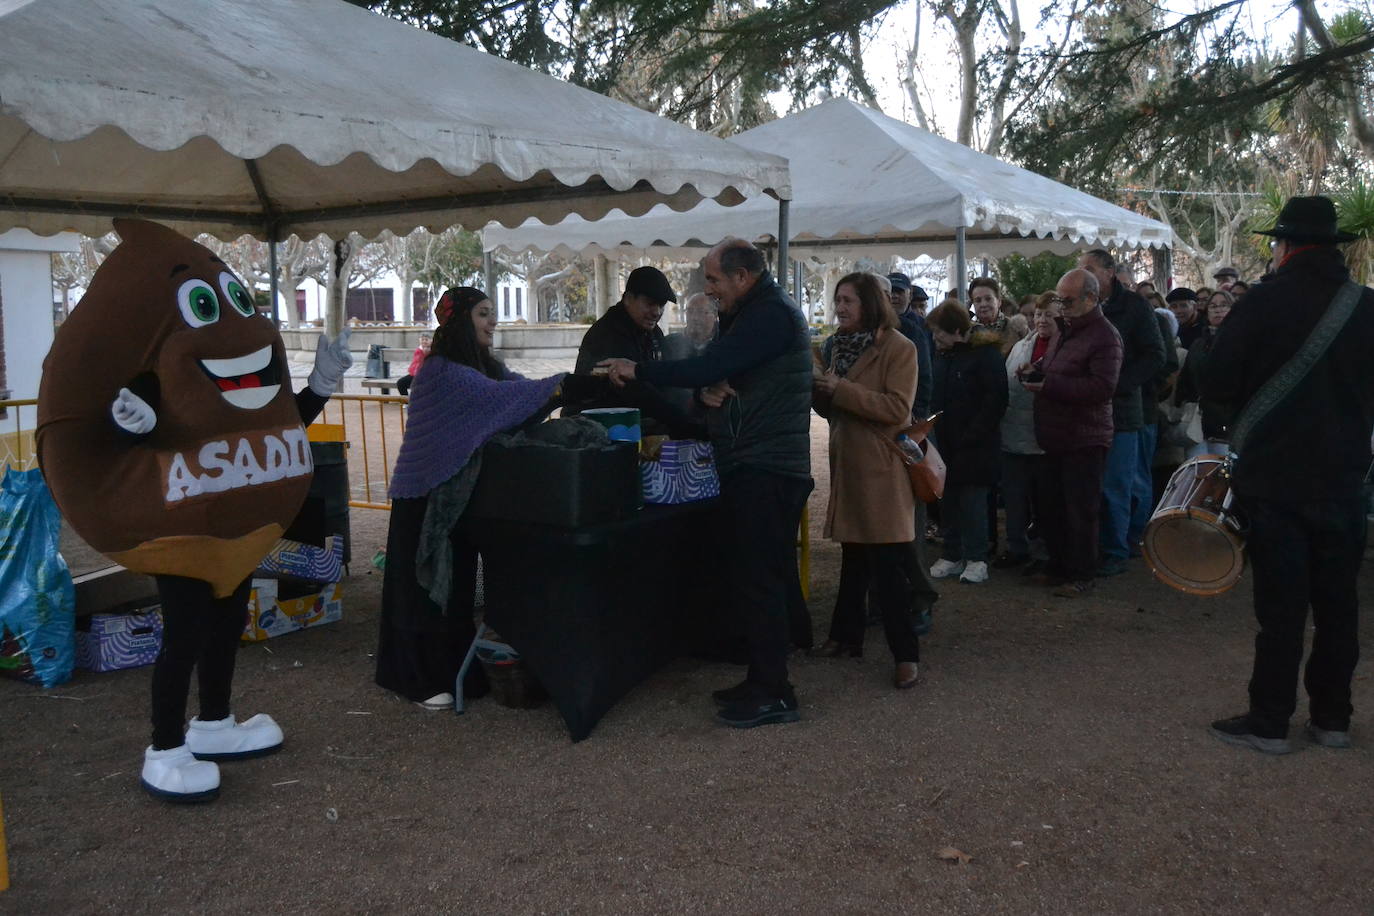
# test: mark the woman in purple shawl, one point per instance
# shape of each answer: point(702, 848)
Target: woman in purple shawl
point(461, 396)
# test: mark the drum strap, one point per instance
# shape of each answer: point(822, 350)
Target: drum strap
point(1296, 369)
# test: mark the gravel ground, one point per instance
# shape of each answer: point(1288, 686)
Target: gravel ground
point(1060, 744)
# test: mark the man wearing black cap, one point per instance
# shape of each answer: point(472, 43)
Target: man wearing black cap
point(1226, 277)
point(1182, 301)
point(1300, 461)
point(629, 330)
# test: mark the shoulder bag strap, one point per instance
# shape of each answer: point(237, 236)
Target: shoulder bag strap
point(1295, 370)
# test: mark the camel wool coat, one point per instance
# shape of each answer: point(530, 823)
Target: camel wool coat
point(870, 492)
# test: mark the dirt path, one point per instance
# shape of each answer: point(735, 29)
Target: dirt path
point(1062, 745)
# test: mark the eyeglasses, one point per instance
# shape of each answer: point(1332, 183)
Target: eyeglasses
point(1059, 301)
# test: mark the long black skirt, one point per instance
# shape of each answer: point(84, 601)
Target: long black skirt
point(420, 646)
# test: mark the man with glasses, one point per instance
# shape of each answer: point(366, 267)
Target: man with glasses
point(1073, 385)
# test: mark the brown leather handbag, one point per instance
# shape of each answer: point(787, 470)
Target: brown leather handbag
point(924, 465)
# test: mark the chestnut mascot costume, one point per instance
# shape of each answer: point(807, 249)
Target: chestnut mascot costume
point(171, 440)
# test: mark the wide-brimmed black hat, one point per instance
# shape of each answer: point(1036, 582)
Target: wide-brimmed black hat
point(1308, 219)
point(649, 281)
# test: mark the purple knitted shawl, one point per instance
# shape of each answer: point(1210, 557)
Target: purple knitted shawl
point(453, 410)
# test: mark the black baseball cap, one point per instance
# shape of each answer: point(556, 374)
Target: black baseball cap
point(899, 280)
point(1181, 294)
point(649, 281)
point(918, 293)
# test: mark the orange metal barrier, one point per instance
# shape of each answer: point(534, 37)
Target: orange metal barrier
point(16, 443)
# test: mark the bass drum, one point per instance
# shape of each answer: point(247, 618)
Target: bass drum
point(1195, 541)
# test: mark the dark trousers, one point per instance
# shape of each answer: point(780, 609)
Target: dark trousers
point(1070, 496)
point(202, 632)
point(879, 565)
point(760, 514)
point(917, 568)
point(1019, 495)
point(1304, 556)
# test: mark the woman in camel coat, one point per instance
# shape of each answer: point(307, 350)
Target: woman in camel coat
point(866, 392)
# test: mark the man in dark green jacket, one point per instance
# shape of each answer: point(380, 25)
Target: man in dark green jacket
point(755, 380)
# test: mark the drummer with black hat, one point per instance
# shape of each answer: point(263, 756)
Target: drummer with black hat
point(1301, 444)
point(630, 330)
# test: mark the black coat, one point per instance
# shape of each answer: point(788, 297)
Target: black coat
point(969, 390)
point(615, 335)
point(1142, 353)
point(1315, 443)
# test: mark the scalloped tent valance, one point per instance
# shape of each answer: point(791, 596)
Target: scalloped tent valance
point(864, 183)
point(270, 118)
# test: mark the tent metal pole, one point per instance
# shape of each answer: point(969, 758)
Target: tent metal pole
point(782, 241)
point(272, 261)
point(960, 264)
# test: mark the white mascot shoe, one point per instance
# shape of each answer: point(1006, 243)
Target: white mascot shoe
point(225, 740)
point(177, 776)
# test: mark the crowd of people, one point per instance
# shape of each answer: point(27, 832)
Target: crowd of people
point(1068, 409)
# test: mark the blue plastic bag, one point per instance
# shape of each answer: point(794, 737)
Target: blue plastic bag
point(37, 600)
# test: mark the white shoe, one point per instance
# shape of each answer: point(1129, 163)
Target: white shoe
point(943, 569)
point(975, 573)
point(177, 776)
point(225, 740)
point(437, 703)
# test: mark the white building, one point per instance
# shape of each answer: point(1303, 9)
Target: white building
point(380, 300)
point(26, 323)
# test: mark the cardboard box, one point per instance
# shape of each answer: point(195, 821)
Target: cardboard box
point(294, 560)
point(117, 641)
point(270, 615)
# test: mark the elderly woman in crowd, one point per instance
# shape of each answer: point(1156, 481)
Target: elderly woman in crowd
point(970, 394)
point(463, 395)
point(1189, 387)
point(866, 391)
point(1020, 451)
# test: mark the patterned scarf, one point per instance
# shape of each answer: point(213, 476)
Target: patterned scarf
point(846, 349)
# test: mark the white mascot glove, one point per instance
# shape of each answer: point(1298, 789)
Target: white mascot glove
point(331, 360)
point(132, 413)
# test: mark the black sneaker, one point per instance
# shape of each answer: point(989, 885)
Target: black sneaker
point(1328, 737)
point(1011, 560)
point(756, 709)
point(1238, 730)
point(728, 695)
point(1111, 566)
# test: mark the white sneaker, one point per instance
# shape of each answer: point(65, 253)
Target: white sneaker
point(437, 703)
point(225, 740)
point(975, 573)
point(943, 569)
point(177, 776)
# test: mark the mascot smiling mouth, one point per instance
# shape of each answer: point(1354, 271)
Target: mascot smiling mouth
point(248, 382)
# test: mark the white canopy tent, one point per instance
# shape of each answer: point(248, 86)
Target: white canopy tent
point(867, 184)
point(269, 118)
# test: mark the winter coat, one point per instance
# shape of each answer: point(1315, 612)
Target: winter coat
point(1074, 408)
point(1018, 423)
point(1190, 385)
point(1142, 354)
point(870, 492)
point(1315, 444)
point(913, 328)
point(969, 391)
point(615, 335)
point(1150, 391)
